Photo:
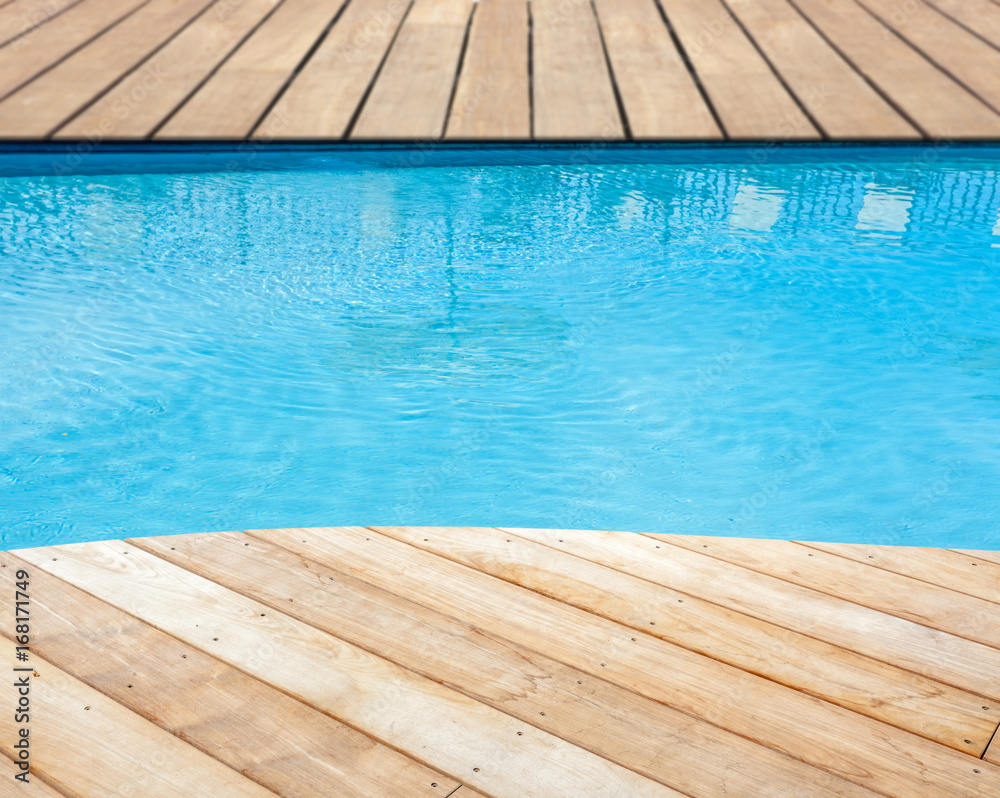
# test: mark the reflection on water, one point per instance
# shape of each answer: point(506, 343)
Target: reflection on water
point(756, 208)
point(885, 210)
point(774, 351)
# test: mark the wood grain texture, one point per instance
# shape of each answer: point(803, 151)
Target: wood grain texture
point(694, 757)
point(661, 98)
point(147, 95)
point(938, 566)
point(35, 787)
point(934, 654)
point(233, 100)
point(41, 106)
point(441, 727)
point(981, 16)
point(989, 556)
point(74, 726)
point(412, 91)
point(256, 730)
point(572, 93)
point(968, 58)
point(323, 97)
point(858, 748)
point(922, 603)
point(942, 108)
point(17, 17)
point(492, 97)
point(545, 561)
point(839, 99)
point(993, 752)
point(25, 57)
point(749, 99)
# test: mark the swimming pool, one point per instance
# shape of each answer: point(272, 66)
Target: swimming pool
point(798, 342)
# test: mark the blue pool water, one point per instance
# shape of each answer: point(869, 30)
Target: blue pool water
point(797, 343)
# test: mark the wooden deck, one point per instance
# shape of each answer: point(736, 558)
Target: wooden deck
point(430, 661)
point(585, 70)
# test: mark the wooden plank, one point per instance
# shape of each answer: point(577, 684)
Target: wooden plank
point(876, 689)
point(993, 752)
point(942, 108)
point(749, 99)
point(989, 556)
point(33, 788)
point(146, 96)
point(74, 726)
point(256, 730)
point(492, 96)
point(941, 657)
point(39, 108)
point(938, 566)
point(234, 99)
point(661, 98)
point(571, 89)
point(922, 603)
point(872, 754)
point(967, 57)
point(981, 16)
point(323, 97)
point(927, 651)
point(839, 99)
point(23, 58)
point(617, 724)
point(439, 726)
point(411, 93)
point(17, 17)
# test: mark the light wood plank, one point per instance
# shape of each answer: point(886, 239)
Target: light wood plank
point(749, 99)
point(571, 89)
point(446, 730)
point(862, 750)
point(323, 97)
point(839, 99)
point(937, 655)
point(966, 57)
point(39, 108)
point(661, 98)
point(33, 788)
point(256, 730)
point(938, 566)
point(638, 733)
point(411, 93)
point(143, 98)
point(537, 560)
point(20, 16)
point(492, 95)
point(982, 16)
point(993, 752)
point(23, 58)
point(683, 563)
point(234, 99)
point(74, 726)
point(942, 108)
point(922, 603)
point(989, 556)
